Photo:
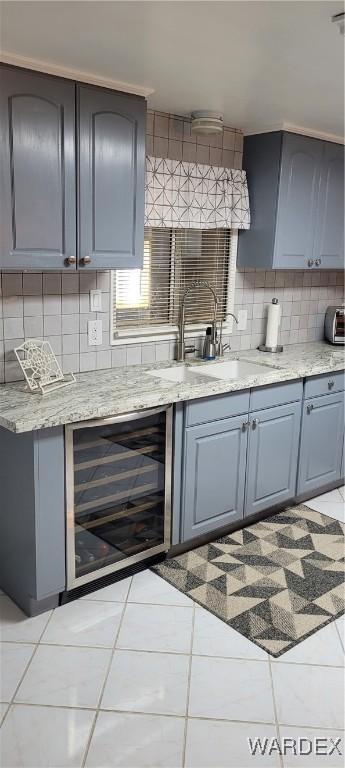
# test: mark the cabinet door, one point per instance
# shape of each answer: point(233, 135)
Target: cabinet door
point(214, 476)
point(297, 201)
point(272, 457)
point(111, 179)
point(321, 442)
point(329, 240)
point(37, 180)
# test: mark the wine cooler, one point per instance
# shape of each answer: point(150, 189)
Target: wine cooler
point(118, 479)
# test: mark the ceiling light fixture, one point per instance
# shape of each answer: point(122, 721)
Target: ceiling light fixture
point(339, 19)
point(205, 123)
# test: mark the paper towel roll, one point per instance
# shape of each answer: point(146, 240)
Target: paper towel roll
point(273, 323)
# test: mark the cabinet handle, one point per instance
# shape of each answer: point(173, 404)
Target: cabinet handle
point(310, 408)
point(245, 425)
point(255, 423)
point(318, 262)
point(310, 262)
point(330, 384)
point(70, 260)
point(85, 260)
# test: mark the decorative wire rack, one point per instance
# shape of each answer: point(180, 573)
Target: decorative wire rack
point(41, 368)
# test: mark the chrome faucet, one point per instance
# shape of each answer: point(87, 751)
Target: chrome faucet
point(181, 347)
point(221, 348)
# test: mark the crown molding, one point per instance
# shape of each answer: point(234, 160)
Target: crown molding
point(73, 74)
point(290, 127)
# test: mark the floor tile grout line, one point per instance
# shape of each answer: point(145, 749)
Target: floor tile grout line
point(273, 660)
point(188, 689)
point(87, 748)
point(179, 717)
point(275, 709)
point(340, 637)
point(26, 667)
point(12, 700)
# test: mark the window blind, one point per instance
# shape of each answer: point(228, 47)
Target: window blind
point(173, 259)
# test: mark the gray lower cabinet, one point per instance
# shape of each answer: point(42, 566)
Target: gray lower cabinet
point(272, 457)
point(37, 171)
point(213, 475)
point(321, 447)
point(32, 505)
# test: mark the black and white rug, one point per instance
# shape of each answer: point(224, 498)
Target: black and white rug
point(276, 582)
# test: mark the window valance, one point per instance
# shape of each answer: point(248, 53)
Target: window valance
point(195, 196)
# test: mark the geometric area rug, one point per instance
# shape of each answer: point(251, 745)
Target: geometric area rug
point(276, 582)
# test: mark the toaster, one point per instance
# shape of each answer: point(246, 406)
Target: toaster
point(334, 325)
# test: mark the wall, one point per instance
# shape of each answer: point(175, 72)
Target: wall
point(55, 306)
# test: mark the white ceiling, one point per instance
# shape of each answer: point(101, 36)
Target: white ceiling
point(260, 63)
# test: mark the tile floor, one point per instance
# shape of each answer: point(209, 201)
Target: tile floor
point(138, 676)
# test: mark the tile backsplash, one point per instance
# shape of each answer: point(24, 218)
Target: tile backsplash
point(56, 306)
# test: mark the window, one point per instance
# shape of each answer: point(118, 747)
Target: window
point(146, 302)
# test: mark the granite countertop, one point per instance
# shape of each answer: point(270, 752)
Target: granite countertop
point(106, 393)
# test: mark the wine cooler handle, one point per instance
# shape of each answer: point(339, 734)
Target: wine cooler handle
point(124, 417)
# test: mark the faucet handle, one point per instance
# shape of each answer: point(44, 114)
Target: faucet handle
point(190, 349)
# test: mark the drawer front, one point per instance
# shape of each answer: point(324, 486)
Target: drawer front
point(219, 407)
point(325, 384)
point(276, 394)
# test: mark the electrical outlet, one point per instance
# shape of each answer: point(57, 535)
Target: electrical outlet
point(242, 319)
point(94, 332)
point(95, 301)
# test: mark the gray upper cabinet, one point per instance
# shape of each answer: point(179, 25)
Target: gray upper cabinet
point(37, 162)
point(329, 239)
point(111, 178)
point(297, 201)
point(296, 191)
point(272, 457)
point(213, 476)
point(72, 170)
point(322, 439)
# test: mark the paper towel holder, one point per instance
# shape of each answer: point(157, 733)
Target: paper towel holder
point(278, 348)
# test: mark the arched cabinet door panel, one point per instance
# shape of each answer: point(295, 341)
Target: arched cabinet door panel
point(297, 201)
point(37, 182)
point(329, 240)
point(111, 179)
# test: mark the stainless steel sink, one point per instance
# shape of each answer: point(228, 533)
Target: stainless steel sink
point(233, 369)
point(181, 374)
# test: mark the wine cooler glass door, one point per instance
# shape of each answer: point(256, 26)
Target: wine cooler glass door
point(118, 492)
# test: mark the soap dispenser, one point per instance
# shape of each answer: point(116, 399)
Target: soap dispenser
point(209, 350)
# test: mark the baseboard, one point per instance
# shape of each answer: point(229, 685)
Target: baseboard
point(226, 530)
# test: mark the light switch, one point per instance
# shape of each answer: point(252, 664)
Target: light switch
point(95, 301)
point(242, 319)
